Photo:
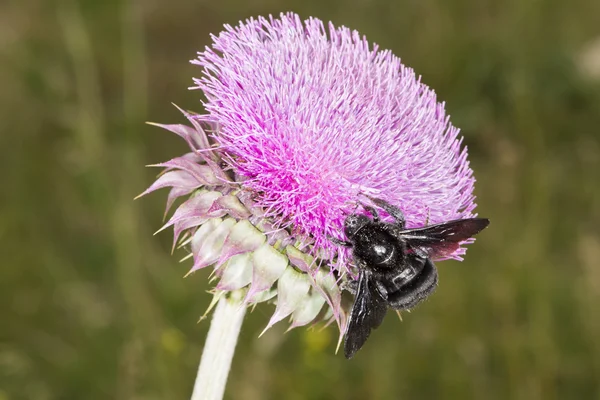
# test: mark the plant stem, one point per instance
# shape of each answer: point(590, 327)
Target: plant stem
point(218, 349)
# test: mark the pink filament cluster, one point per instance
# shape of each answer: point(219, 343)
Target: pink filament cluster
point(313, 117)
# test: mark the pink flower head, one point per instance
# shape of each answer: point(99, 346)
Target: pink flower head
point(302, 124)
point(313, 117)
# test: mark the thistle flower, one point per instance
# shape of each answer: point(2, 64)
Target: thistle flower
point(302, 121)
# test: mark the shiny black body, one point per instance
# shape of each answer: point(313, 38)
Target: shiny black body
point(394, 264)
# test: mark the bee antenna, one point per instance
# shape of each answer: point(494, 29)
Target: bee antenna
point(353, 211)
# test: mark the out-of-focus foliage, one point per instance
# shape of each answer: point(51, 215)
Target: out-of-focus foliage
point(94, 307)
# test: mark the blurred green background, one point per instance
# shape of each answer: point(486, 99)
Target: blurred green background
point(92, 306)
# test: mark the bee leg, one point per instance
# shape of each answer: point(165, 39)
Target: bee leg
point(339, 242)
point(428, 215)
point(381, 289)
point(394, 211)
point(350, 286)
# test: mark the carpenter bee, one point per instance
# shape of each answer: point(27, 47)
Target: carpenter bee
point(394, 264)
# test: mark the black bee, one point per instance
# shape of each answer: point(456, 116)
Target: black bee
point(394, 264)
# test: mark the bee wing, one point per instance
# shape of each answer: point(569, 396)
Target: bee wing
point(367, 313)
point(441, 240)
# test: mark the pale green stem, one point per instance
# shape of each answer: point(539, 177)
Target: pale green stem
point(218, 349)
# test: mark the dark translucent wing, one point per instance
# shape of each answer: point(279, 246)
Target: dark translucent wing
point(438, 241)
point(367, 313)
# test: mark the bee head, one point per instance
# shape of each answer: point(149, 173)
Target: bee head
point(354, 223)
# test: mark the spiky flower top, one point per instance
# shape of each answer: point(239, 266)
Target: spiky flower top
point(301, 121)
